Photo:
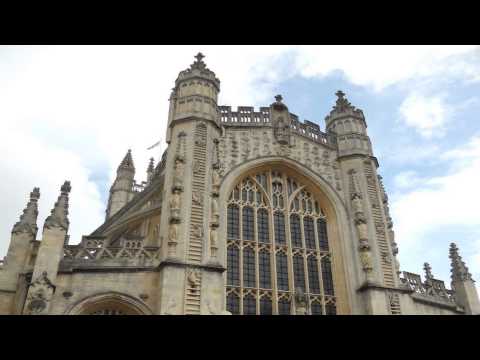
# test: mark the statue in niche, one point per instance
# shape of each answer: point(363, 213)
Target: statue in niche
point(213, 241)
point(178, 176)
point(215, 214)
point(173, 233)
point(366, 260)
point(175, 205)
point(216, 179)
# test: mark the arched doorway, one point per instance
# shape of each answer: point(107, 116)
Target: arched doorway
point(110, 304)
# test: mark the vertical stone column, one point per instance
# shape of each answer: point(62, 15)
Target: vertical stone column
point(55, 230)
point(23, 233)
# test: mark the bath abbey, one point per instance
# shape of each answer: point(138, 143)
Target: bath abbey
point(248, 212)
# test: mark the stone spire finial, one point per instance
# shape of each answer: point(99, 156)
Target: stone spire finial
point(151, 165)
point(127, 162)
point(28, 220)
point(59, 214)
point(428, 271)
point(459, 270)
point(199, 64)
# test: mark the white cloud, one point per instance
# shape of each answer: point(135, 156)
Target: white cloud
point(426, 114)
point(378, 67)
point(439, 203)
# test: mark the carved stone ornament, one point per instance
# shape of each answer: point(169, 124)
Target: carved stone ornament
point(193, 277)
point(215, 213)
point(213, 241)
point(173, 233)
point(39, 294)
point(366, 260)
point(178, 176)
point(301, 302)
point(197, 230)
point(197, 198)
point(175, 203)
point(216, 180)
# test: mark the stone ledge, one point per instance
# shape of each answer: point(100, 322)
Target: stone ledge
point(436, 302)
point(216, 267)
point(367, 285)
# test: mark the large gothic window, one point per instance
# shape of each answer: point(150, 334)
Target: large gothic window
point(277, 244)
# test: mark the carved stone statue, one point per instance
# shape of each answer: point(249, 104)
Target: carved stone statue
point(173, 233)
point(215, 180)
point(366, 260)
point(197, 198)
point(213, 241)
point(215, 214)
point(175, 205)
point(301, 302)
point(40, 293)
point(193, 277)
point(178, 176)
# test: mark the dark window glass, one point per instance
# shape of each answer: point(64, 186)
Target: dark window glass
point(233, 266)
point(309, 231)
point(249, 305)
point(233, 304)
point(316, 309)
point(284, 307)
point(298, 272)
point(322, 234)
point(295, 230)
point(232, 222)
point(327, 276)
point(265, 306)
point(282, 271)
point(330, 309)
point(247, 223)
point(262, 223)
point(248, 267)
point(313, 278)
point(264, 270)
point(279, 224)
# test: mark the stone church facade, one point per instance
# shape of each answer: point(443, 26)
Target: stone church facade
point(247, 212)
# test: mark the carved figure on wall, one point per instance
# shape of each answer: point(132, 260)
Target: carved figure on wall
point(216, 179)
point(301, 302)
point(193, 277)
point(197, 198)
point(213, 241)
point(178, 175)
point(40, 293)
point(175, 205)
point(215, 214)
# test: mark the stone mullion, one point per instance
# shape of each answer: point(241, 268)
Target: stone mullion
point(273, 253)
point(319, 268)
point(256, 248)
point(240, 231)
point(289, 243)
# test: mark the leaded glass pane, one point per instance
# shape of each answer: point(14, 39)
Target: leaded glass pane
point(316, 309)
point(279, 224)
point(282, 272)
point(262, 224)
point(295, 230)
point(313, 278)
point(265, 306)
point(248, 267)
point(298, 272)
point(233, 304)
point(233, 222)
point(249, 305)
point(330, 309)
point(264, 270)
point(284, 307)
point(322, 234)
point(327, 276)
point(233, 268)
point(247, 223)
point(309, 231)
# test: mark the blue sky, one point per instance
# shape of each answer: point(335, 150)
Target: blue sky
point(71, 112)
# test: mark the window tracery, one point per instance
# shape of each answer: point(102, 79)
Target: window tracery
point(267, 266)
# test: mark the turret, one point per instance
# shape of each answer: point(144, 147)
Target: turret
point(348, 123)
point(195, 95)
point(23, 233)
point(150, 170)
point(189, 216)
point(465, 292)
point(121, 191)
point(50, 252)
